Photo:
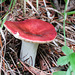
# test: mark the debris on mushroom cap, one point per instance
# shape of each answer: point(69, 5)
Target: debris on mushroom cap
point(33, 30)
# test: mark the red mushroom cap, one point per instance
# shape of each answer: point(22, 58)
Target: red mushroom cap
point(33, 30)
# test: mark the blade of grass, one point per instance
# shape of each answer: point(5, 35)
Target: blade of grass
point(24, 7)
point(4, 19)
point(10, 4)
point(37, 4)
point(13, 4)
point(52, 4)
point(1, 1)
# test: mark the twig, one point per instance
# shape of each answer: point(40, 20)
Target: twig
point(68, 39)
point(10, 70)
point(54, 10)
point(56, 4)
point(45, 59)
point(26, 67)
point(2, 55)
point(14, 64)
point(5, 73)
point(32, 6)
point(48, 13)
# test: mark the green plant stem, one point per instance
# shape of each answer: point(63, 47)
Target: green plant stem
point(64, 28)
point(65, 15)
point(71, 12)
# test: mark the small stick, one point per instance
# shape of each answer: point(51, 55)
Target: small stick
point(2, 53)
point(14, 64)
point(26, 67)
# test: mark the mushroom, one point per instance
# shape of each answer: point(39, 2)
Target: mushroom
point(32, 32)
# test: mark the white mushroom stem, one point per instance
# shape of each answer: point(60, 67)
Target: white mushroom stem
point(28, 52)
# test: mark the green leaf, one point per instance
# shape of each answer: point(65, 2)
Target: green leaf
point(1, 1)
point(67, 50)
point(69, 70)
point(63, 60)
point(72, 61)
point(60, 73)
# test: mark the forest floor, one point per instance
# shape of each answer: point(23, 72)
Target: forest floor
point(48, 54)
